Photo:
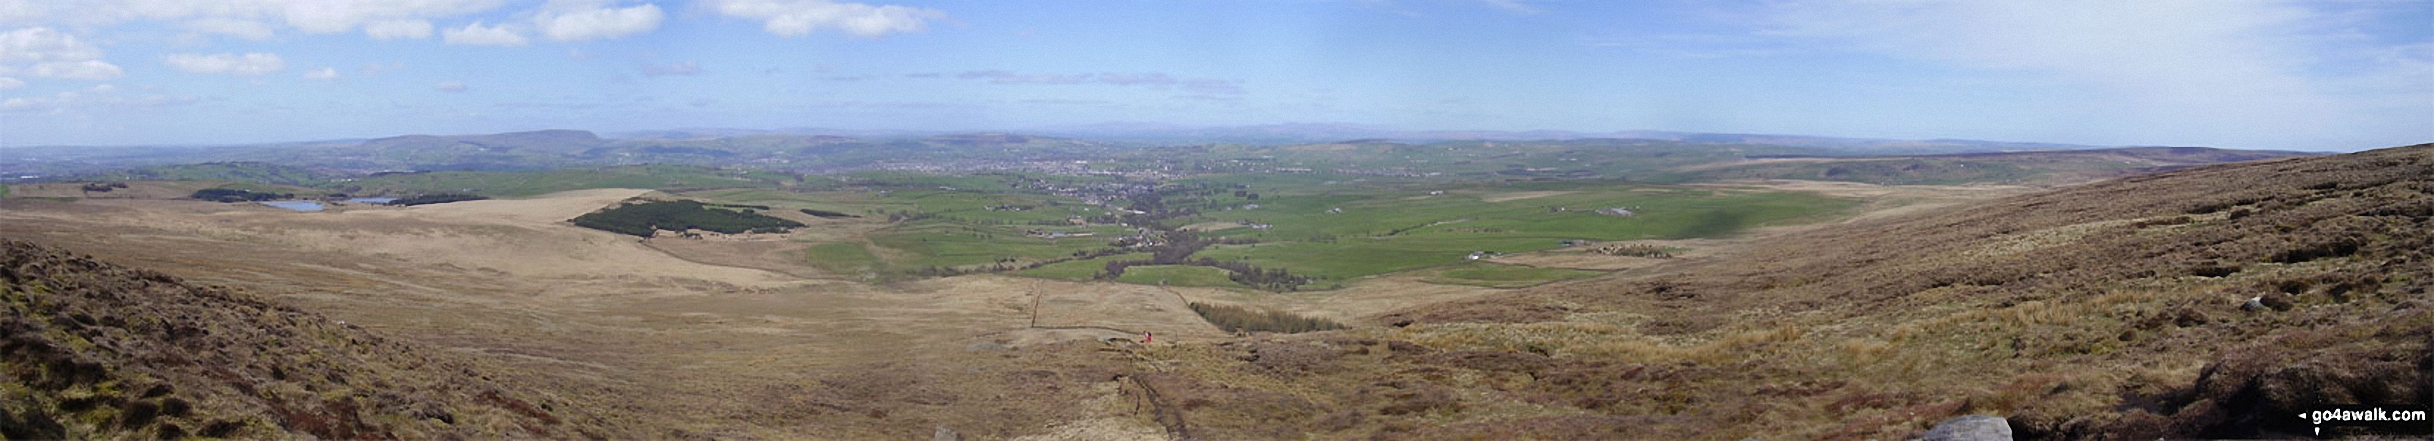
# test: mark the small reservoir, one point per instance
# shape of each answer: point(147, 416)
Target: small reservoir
point(306, 206)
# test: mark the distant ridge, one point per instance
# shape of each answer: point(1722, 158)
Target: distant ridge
point(550, 139)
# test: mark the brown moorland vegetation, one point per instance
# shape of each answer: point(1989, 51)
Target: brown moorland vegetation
point(2109, 310)
point(93, 350)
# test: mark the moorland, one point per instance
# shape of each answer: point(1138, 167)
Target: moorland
point(995, 285)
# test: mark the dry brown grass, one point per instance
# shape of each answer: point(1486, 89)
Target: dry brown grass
point(2110, 310)
point(677, 347)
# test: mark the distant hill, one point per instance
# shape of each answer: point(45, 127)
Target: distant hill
point(2212, 302)
point(2036, 167)
point(1635, 155)
point(553, 140)
point(90, 350)
point(1310, 133)
point(256, 172)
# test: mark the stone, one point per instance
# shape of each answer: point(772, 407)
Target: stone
point(1970, 428)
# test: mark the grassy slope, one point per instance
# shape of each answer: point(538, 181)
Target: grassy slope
point(844, 258)
point(98, 351)
point(1078, 269)
point(942, 243)
point(1504, 276)
point(1178, 275)
point(1356, 242)
point(2109, 310)
point(1980, 168)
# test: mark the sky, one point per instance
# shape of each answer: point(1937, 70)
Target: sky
point(2318, 75)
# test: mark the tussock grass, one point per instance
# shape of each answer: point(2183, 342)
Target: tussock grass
point(1238, 318)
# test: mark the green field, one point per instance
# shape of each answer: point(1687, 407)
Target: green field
point(1332, 225)
point(1496, 275)
point(942, 243)
point(844, 258)
point(1394, 231)
point(1179, 275)
point(1322, 226)
point(1079, 269)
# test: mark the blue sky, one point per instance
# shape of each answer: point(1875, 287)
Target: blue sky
point(2302, 75)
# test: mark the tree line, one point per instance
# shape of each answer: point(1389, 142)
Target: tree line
point(237, 195)
point(435, 198)
point(1236, 318)
point(645, 219)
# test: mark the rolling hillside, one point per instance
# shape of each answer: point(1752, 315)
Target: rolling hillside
point(2211, 302)
point(2049, 167)
point(89, 349)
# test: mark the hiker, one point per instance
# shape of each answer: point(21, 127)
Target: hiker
point(1145, 337)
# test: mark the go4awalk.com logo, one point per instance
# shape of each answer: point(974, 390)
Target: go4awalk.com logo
point(2370, 419)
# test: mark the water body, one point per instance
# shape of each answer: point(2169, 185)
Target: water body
point(305, 206)
point(372, 200)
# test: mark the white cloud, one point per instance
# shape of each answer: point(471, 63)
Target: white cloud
point(43, 52)
point(99, 97)
point(254, 63)
point(7, 83)
point(77, 70)
point(449, 86)
point(395, 29)
point(332, 16)
point(246, 29)
point(1512, 5)
point(788, 18)
point(22, 11)
point(310, 16)
point(677, 68)
point(597, 23)
point(477, 35)
point(40, 44)
point(325, 73)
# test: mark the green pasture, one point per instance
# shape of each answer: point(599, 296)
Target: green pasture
point(1079, 269)
point(844, 258)
point(1180, 275)
point(946, 244)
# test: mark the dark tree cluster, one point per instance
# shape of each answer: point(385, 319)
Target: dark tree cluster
point(1271, 279)
point(645, 219)
point(236, 195)
point(436, 198)
point(825, 214)
point(1235, 318)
